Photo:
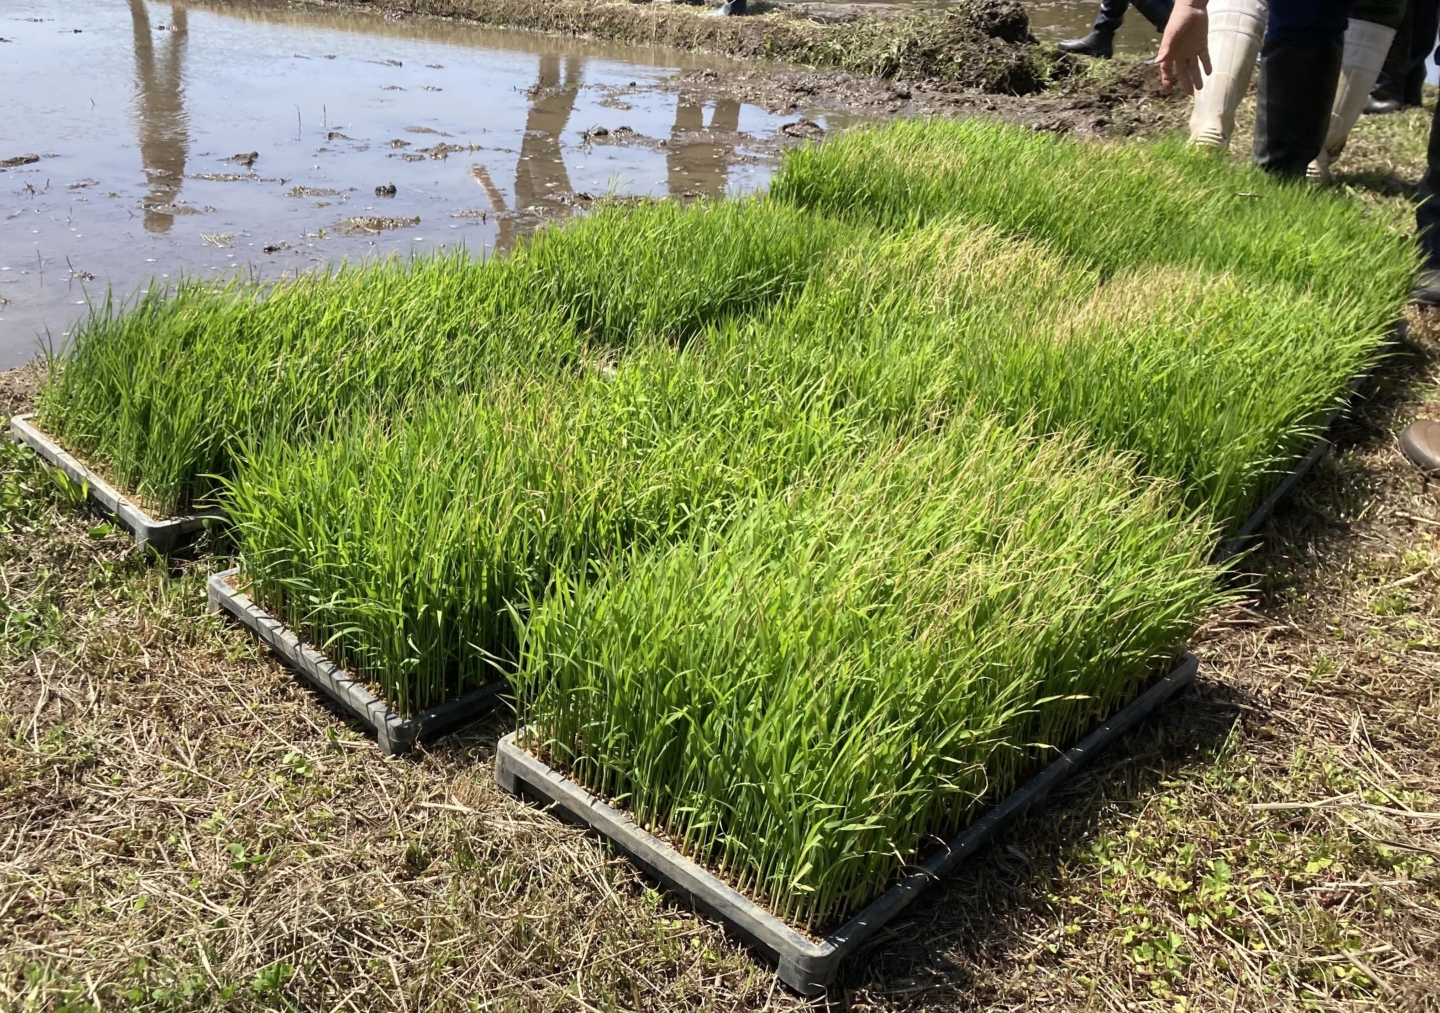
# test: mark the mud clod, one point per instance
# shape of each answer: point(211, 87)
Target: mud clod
point(376, 223)
point(313, 191)
point(11, 163)
point(387, 190)
point(803, 128)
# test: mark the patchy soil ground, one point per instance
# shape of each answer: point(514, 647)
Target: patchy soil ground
point(186, 826)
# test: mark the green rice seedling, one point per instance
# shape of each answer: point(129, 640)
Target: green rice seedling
point(1114, 206)
point(804, 699)
point(165, 393)
point(401, 548)
point(1212, 380)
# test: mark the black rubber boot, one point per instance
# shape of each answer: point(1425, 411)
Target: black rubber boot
point(1292, 112)
point(1100, 43)
point(1426, 291)
point(1427, 220)
point(1381, 103)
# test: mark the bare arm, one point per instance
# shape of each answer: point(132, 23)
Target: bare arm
point(1185, 48)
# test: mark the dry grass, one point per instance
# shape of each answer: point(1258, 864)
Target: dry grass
point(187, 827)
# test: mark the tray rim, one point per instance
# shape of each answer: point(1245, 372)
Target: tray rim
point(806, 965)
point(162, 535)
point(393, 733)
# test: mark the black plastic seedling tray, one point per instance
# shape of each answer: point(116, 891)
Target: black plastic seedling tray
point(393, 733)
point(163, 536)
point(806, 965)
point(1231, 549)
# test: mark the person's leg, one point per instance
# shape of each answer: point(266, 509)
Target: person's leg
point(1157, 12)
point(1299, 68)
point(1422, 44)
point(1388, 95)
point(1367, 41)
point(1427, 220)
point(1100, 42)
point(1420, 440)
point(1237, 28)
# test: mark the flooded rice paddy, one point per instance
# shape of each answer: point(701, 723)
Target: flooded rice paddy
point(199, 140)
point(145, 142)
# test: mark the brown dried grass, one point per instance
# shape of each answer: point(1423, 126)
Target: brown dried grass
point(186, 826)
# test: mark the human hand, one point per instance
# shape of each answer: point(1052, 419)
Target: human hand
point(1185, 48)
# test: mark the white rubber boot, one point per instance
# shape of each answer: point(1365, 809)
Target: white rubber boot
point(1237, 27)
point(1366, 44)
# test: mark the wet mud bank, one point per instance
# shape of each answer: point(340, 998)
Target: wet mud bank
point(859, 61)
point(263, 139)
point(1122, 101)
point(984, 45)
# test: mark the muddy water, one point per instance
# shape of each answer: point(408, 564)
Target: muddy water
point(1053, 20)
point(146, 117)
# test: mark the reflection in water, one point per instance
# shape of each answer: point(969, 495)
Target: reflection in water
point(160, 110)
point(540, 173)
point(697, 157)
point(701, 166)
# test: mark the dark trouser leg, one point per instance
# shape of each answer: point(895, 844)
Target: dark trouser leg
point(1423, 27)
point(1427, 213)
point(1299, 67)
point(1420, 440)
point(1388, 13)
point(1101, 40)
point(1157, 12)
point(1389, 91)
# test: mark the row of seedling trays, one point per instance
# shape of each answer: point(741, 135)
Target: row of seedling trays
point(805, 963)
point(835, 502)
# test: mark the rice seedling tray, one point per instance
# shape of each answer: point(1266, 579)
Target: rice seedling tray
point(393, 733)
point(163, 536)
point(805, 965)
point(1232, 547)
